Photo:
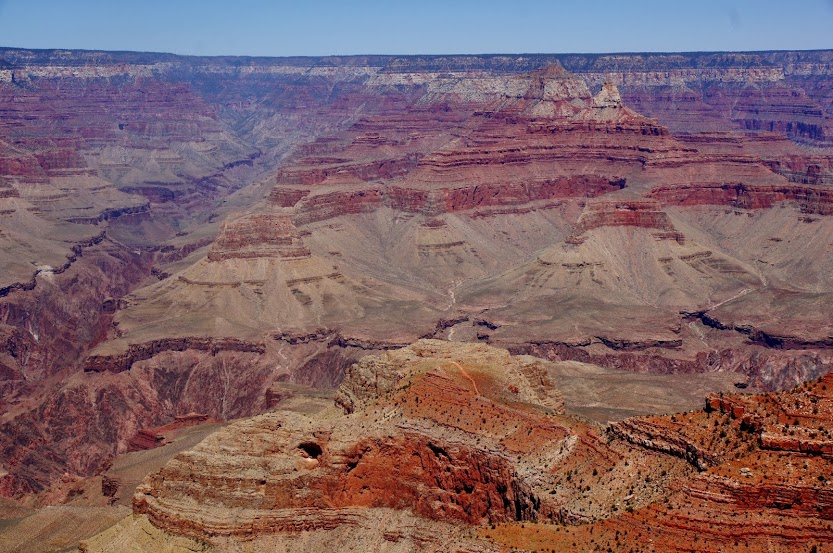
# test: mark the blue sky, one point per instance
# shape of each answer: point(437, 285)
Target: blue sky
point(284, 28)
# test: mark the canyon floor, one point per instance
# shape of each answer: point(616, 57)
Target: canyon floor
point(431, 302)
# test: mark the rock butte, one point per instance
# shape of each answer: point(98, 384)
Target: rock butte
point(219, 235)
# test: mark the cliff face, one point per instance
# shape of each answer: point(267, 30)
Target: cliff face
point(653, 213)
point(762, 459)
point(479, 439)
point(449, 432)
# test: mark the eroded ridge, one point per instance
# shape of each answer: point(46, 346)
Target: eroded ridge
point(763, 480)
point(460, 433)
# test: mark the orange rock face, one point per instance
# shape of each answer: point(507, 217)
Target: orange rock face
point(761, 485)
point(477, 439)
point(449, 432)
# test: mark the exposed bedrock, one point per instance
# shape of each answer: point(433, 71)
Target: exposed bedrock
point(658, 438)
point(747, 196)
point(755, 489)
point(424, 415)
point(52, 322)
point(146, 350)
point(322, 206)
point(642, 214)
point(102, 410)
point(810, 497)
point(100, 414)
point(440, 481)
point(370, 171)
point(807, 169)
point(766, 368)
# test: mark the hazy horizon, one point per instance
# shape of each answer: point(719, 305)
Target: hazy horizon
point(257, 28)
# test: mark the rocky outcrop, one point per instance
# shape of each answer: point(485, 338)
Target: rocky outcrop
point(323, 206)
point(808, 499)
point(363, 172)
point(768, 368)
point(253, 236)
point(419, 414)
point(376, 377)
point(659, 437)
point(139, 352)
point(750, 496)
point(640, 214)
point(149, 438)
point(809, 199)
point(803, 169)
point(145, 439)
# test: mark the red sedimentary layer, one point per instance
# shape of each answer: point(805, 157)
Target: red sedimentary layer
point(149, 438)
point(369, 171)
point(747, 196)
point(658, 437)
point(762, 484)
point(807, 169)
point(324, 206)
point(432, 429)
point(146, 438)
point(286, 197)
point(263, 235)
point(807, 498)
point(637, 126)
point(642, 214)
point(790, 472)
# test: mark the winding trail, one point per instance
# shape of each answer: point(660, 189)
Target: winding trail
point(736, 296)
point(452, 297)
point(468, 376)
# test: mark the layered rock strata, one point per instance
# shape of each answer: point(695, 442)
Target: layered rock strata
point(764, 480)
point(477, 435)
point(645, 212)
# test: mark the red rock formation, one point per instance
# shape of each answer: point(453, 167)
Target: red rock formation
point(810, 199)
point(263, 235)
point(448, 412)
point(749, 499)
point(412, 155)
point(322, 206)
point(476, 435)
point(149, 438)
point(145, 439)
point(658, 437)
point(641, 214)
